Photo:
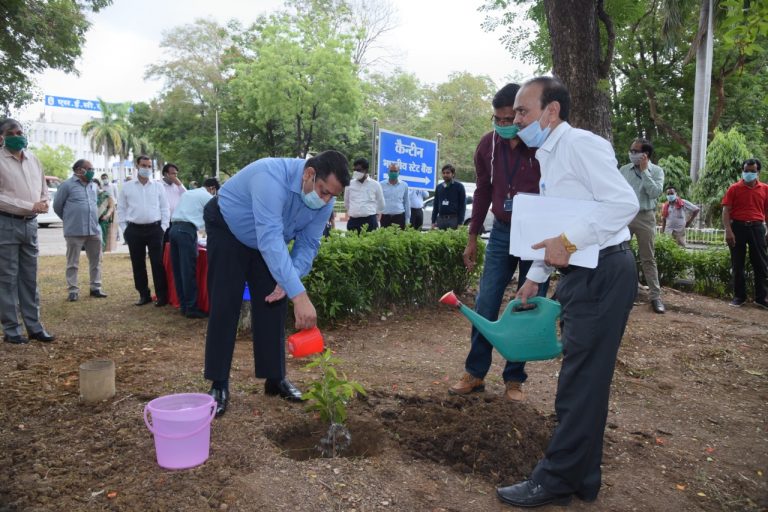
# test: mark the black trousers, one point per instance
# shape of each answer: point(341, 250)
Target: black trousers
point(750, 235)
point(390, 220)
point(183, 240)
point(447, 221)
point(357, 223)
point(417, 217)
point(143, 239)
point(596, 305)
point(230, 265)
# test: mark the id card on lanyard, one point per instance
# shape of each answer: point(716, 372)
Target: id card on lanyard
point(509, 200)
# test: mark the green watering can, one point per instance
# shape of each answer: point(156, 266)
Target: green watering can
point(519, 334)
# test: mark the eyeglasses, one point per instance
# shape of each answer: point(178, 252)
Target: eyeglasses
point(503, 121)
point(359, 169)
point(636, 151)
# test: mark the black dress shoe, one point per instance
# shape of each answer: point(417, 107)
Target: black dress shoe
point(529, 494)
point(42, 336)
point(16, 340)
point(195, 313)
point(658, 306)
point(98, 294)
point(72, 297)
point(222, 399)
point(284, 388)
point(142, 301)
point(161, 303)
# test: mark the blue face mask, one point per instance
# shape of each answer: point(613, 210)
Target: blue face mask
point(534, 135)
point(312, 199)
point(671, 197)
point(506, 132)
point(749, 177)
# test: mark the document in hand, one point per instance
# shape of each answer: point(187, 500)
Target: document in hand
point(535, 218)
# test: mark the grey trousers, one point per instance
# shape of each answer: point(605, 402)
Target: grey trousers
point(643, 226)
point(18, 276)
point(92, 245)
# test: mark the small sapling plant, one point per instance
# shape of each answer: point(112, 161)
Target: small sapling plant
point(329, 396)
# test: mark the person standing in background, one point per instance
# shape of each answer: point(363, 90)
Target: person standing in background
point(397, 208)
point(416, 199)
point(363, 199)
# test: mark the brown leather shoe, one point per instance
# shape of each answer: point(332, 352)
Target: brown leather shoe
point(467, 384)
point(514, 392)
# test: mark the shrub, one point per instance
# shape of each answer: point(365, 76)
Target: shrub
point(672, 261)
point(356, 274)
point(712, 272)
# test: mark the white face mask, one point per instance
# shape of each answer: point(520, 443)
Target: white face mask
point(357, 175)
point(145, 173)
point(636, 158)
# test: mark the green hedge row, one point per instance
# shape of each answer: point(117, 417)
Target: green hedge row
point(356, 274)
point(710, 269)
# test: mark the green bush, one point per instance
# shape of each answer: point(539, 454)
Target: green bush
point(356, 274)
point(672, 261)
point(712, 272)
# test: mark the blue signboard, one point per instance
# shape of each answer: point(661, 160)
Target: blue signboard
point(417, 159)
point(58, 101)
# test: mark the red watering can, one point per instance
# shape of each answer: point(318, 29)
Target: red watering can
point(519, 334)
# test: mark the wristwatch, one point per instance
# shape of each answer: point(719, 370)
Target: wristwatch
point(568, 245)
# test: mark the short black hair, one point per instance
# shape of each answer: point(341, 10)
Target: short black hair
point(212, 182)
point(448, 167)
point(330, 162)
point(167, 168)
point(362, 162)
point(505, 97)
point(553, 89)
point(645, 146)
point(752, 161)
point(8, 123)
point(672, 188)
point(142, 157)
point(78, 164)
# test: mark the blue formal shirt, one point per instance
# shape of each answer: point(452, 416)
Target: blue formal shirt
point(190, 207)
point(396, 199)
point(263, 208)
point(75, 204)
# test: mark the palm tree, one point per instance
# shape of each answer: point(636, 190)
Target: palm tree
point(108, 132)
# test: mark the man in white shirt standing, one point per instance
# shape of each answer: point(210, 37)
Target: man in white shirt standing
point(416, 198)
point(363, 199)
point(173, 190)
point(596, 302)
point(143, 214)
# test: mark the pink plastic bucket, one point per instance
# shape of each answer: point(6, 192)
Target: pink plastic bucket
point(181, 425)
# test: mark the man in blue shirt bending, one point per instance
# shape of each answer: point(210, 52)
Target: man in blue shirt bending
point(258, 211)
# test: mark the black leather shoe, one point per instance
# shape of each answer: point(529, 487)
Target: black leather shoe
point(284, 388)
point(658, 306)
point(42, 336)
point(16, 340)
point(222, 399)
point(196, 313)
point(98, 294)
point(529, 494)
point(161, 303)
point(142, 301)
point(72, 297)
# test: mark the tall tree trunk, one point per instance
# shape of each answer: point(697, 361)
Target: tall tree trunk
point(701, 95)
point(576, 55)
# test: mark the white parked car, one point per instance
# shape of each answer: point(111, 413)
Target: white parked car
point(46, 219)
point(470, 190)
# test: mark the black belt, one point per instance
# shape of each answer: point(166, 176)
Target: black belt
point(182, 222)
point(20, 217)
point(623, 246)
point(447, 215)
point(747, 222)
point(151, 224)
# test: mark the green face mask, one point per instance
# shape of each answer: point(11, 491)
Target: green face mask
point(393, 175)
point(506, 132)
point(16, 142)
point(89, 176)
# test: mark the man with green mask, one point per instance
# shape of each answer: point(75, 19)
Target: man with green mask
point(397, 205)
point(505, 166)
point(76, 204)
point(23, 195)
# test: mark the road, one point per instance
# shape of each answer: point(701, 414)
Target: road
point(51, 241)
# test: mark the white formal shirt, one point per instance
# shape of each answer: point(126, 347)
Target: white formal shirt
point(173, 193)
point(417, 197)
point(363, 199)
point(578, 164)
point(142, 204)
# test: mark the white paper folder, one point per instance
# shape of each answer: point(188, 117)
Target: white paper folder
point(535, 218)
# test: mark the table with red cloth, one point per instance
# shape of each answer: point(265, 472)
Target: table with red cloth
point(201, 276)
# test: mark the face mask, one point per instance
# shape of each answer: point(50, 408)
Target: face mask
point(393, 176)
point(359, 176)
point(89, 175)
point(145, 173)
point(312, 199)
point(671, 197)
point(534, 135)
point(16, 142)
point(636, 158)
point(749, 177)
point(506, 132)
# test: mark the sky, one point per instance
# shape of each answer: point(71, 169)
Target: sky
point(433, 39)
